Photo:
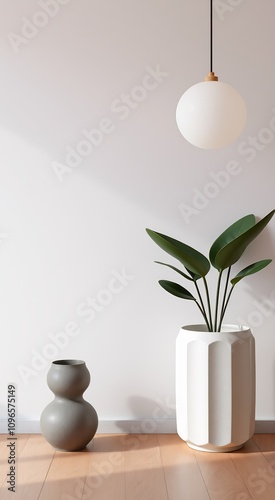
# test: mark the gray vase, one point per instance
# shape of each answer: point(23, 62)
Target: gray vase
point(69, 422)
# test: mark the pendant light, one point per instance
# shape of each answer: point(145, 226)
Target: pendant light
point(211, 114)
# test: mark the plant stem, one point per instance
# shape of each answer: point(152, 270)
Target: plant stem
point(217, 301)
point(225, 306)
point(201, 305)
point(208, 304)
point(202, 310)
point(224, 297)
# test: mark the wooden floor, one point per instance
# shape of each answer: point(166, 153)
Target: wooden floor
point(139, 467)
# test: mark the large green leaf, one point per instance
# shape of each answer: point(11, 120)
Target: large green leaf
point(230, 253)
point(252, 269)
point(193, 260)
point(176, 290)
point(230, 234)
point(175, 269)
point(194, 276)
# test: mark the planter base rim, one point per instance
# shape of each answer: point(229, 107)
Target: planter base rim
point(214, 449)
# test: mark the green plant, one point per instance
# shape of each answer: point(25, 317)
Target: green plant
point(224, 253)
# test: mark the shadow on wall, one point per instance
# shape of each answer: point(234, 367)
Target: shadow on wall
point(157, 415)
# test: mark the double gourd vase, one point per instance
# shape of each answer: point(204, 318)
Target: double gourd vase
point(215, 387)
point(69, 422)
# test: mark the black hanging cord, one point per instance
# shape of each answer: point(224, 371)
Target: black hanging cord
point(211, 35)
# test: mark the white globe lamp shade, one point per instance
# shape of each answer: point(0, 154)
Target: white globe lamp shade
point(211, 114)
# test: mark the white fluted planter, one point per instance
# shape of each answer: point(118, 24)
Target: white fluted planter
point(215, 387)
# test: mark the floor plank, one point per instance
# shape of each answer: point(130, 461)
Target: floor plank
point(4, 454)
point(265, 442)
point(106, 468)
point(66, 477)
point(139, 467)
point(182, 473)
point(31, 469)
point(222, 479)
point(254, 470)
point(143, 467)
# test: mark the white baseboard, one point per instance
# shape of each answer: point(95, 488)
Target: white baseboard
point(265, 427)
point(145, 426)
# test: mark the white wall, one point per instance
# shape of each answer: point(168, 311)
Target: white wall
point(67, 239)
